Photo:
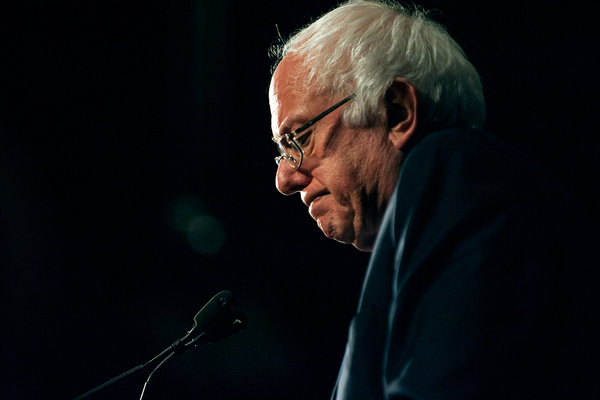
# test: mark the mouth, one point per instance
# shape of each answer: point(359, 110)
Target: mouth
point(313, 206)
point(308, 199)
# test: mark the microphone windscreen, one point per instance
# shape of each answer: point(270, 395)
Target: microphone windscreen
point(212, 310)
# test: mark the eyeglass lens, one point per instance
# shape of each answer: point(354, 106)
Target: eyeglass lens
point(289, 150)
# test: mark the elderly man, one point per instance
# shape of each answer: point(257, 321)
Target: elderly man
point(481, 281)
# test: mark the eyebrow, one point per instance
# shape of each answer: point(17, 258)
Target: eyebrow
point(295, 120)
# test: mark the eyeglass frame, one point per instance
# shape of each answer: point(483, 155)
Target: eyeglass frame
point(291, 137)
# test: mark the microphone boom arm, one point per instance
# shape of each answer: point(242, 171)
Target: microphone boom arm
point(215, 321)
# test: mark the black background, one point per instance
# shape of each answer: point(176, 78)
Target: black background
point(124, 121)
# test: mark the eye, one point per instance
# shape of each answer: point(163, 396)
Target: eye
point(302, 139)
point(285, 143)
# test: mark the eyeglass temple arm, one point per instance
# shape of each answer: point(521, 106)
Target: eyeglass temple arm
point(324, 113)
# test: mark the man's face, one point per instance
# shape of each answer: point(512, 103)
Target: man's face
point(347, 175)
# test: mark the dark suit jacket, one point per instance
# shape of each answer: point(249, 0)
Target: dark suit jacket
point(482, 284)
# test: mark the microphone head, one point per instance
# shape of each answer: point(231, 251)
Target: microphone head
point(217, 320)
point(210, 312)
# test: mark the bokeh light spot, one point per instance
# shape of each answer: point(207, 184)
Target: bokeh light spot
point(206, 234)
point(183, 210)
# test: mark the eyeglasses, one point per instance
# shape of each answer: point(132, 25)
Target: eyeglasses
point(289, 148)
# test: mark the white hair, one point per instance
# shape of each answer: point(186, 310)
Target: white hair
point(361, 46)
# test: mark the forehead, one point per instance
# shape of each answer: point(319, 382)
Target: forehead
point(290, 100)
point(286, 84)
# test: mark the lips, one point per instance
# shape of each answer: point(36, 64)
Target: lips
point(308, 197)
point(313, 207)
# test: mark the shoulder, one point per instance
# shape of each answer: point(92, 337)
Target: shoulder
point(457, 142)
point(469, 157)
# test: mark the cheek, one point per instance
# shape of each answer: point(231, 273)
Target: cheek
point(352, 163)
point(370, 162)
point(340, 181)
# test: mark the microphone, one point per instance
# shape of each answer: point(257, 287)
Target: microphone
point(211, 310)
point(215, 321)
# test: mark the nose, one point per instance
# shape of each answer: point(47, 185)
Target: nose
point(289, 180)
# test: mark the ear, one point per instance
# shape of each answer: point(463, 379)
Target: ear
point(401, 107)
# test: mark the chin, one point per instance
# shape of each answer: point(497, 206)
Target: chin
point(345, 233)
point(349, 234)
point(335, 230)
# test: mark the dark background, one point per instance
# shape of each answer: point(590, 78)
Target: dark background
point(137, 181)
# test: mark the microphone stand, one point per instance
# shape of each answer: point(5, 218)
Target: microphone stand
point(213, 322)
